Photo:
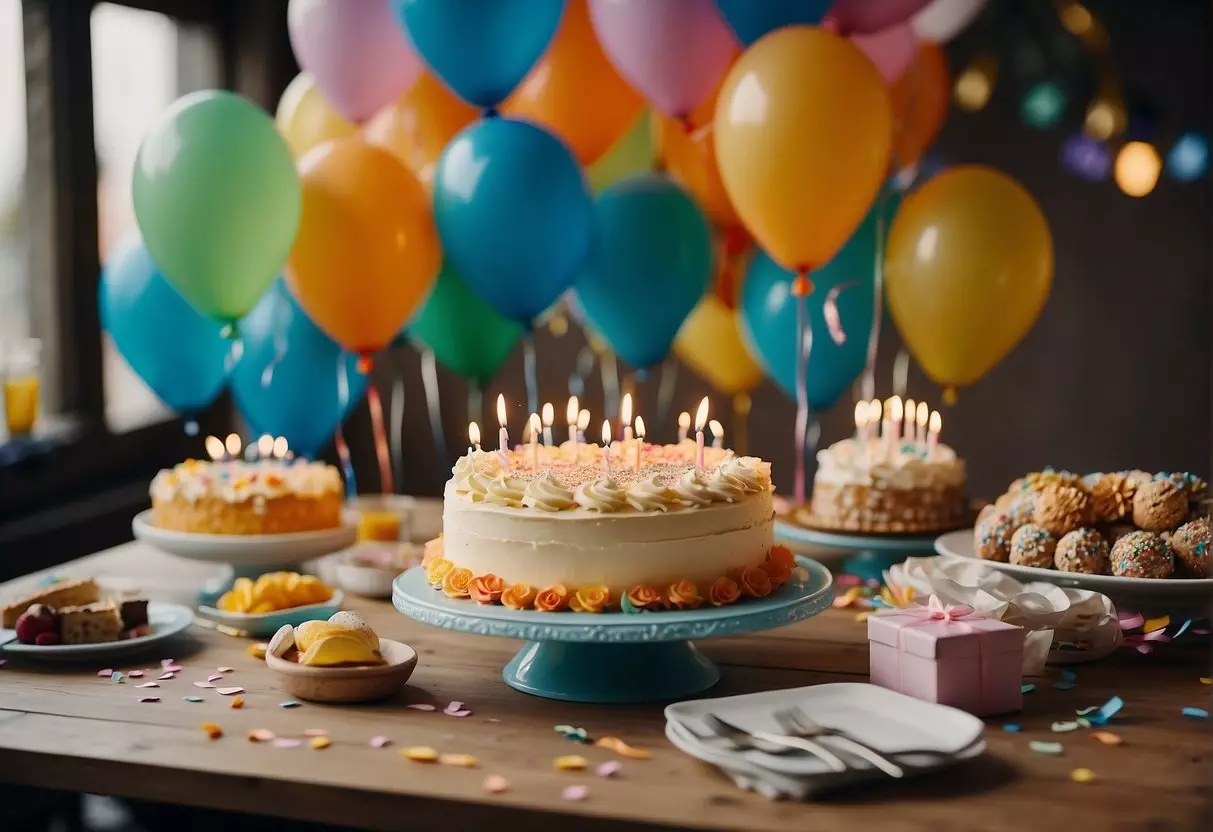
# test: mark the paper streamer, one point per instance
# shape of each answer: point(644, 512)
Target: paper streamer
point(869, 371)
point(530, 372)
point(805, 338)
point(396, 434)
point(429, 379)
point(829, 310)
point(379, 435)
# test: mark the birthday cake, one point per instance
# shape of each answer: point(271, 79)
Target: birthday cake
point(247, 498)
point(569, 527)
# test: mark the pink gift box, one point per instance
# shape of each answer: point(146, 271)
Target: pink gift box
point(953, 656)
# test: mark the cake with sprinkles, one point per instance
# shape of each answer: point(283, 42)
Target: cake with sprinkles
point(638, 528)
point(247, 498)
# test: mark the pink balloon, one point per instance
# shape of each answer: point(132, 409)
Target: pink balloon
point(673, 51)
point(855, 16)
point(356, 51)
point(891, 49)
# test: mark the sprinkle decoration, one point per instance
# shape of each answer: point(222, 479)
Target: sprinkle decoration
point(164, 677)
point(570, 762)
point(458, 760)
point(419, 754)
point(148, 685)
point(290, 703)
point(1082, 775)
point(1183, 628)
point(1028, 688)
point(1088, 710)
point(422, 707)
point(136, 674)
point(495, 784)
point(1195, 713)
point(287, 742)
point(260, 735)
point(1064, 727)
point(1107, 738)
point(575, 793)
point(572, 733)
point(226, 669)
point(212, 730)
point(117, 677)
point(203, 685)
point(192, 698)
point(214, 677)
point(1011, 728)
point(149, 698)
point(320, 743)
point(379, 742)
point(609, 768)
point(1053, 748)
point(237, 703)
point(622, 748)
point(229, 691)
point(456, 708)
point(315, 732)
point(1107, 710)
point(171, 668)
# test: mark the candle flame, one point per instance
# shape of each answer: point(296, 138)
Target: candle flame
point(536, 426)
point(701, 415)
point(874, 412)
point(625, 409)
point(233, 444)
point(281, 448)
point(922, 415)
point(549, 414)
point(936, 422)
point(501, 409)
point(265, 445)
point(583, 420)
point(640, 427)
point(910, 410)
point(214, 447)
point(572, 411)
point(606, 432)
point(684, 419)
point(893, 409)
point(474, 433)
point(861, 414)
point(716, 428)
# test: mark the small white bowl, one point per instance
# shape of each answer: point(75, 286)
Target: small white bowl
point(357, 570)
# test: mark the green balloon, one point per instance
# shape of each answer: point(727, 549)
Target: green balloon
point(467, 335)
point(630, 155)
point(218, 200)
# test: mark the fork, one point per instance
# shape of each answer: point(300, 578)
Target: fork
point(798, 724)
point(771, 743)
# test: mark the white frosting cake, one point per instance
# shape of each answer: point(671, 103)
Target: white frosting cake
point(566, 524)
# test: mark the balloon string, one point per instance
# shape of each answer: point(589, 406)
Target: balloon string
point(396, 434)
point(804, 343)
point(530, 372)
point(741, 423)
point(343, 450)
point(869, 370)
point(379, 434)
point(433, 403)
point(665, 387)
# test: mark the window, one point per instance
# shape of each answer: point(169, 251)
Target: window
point(15, 313)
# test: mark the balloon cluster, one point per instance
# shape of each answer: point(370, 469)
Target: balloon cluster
point(447, 170)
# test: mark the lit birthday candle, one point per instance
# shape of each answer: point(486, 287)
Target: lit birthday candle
point(625, 416)
point(265, 446)
point(549, 416)
point(536, 428)
point(717, 430)
point(281, 448)
point(639, 441)
point(570, 418)
point(701, 419)
point(503, 438)
point(214, 448)
point(606, 447)
point(911, 413)
point(861, 423)
point(583, 422)
point(232, 445)
point(474, 436)
point(921, 417)
point(936, 426)
point(684, 425)
point(891, 425)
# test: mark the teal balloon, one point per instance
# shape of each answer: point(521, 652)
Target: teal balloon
point(768, 313)
point(180, 354)
point(218, 200)
point(649, 265)
point(751, 19)
point(288, 381)
point(514, 213)
point(467, 336)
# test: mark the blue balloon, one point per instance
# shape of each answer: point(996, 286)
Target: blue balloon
point(178, 352)
point(768, 312)
point(287, 381)
point(649, 264)
point(481, 49)
point(514, 213)
point(751, 19)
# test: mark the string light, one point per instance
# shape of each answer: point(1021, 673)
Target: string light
point(1138, 166)
point(975, 84)
point(1086, 157)
point(1043, 105)
point(1106, 117)
point(1077, 19)
point(1188, 158)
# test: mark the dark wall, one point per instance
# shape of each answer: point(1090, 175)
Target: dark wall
point(1115, 374)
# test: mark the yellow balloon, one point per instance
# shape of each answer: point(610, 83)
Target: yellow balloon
point(803, 134)
point(305, 119)
point(710, 344)
point(968, 267)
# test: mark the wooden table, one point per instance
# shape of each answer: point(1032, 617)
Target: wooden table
point(68, 729)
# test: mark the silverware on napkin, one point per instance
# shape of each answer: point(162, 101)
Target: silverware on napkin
point(770, 743)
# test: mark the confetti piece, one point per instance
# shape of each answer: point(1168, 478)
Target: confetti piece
point(1205, 680)
point(212, 730)
point(455, 705)
point(320, 743)
point(237, 703)
point(1082, 775)
point(862, 616)
point(623, 749)
point(148, 685)
point(1011, 728)
point(847, 599)
point(203, 685)
point(1131, 621)
point(1152, 624)
point(1064, 727)
point(1088, 710)
point(192, 698)
point(379, 742)
point(136, 674)
point(214, 677)
point(149, 698)
point(172, 668)
point(458, 713)
point(1200, 631)
point(1063, 686)
point(117, 677)
point(1084, 722)
point(315, 732)
point(290, 703)
point(575, 793)
point(229, 691)
point(1069, 675)
point(458, 760)
point(226, 669)
point(494, 721)
point(609, 768)
point(570, 762)
point(287, 742)
point(419, 754)
point(1045, 747)
point(422, 707)
point(1028, 688)
point(1183, 628)
point(1195, 713)
point(260, 735)
point(164, 662)
point(1107, 710)
point(257, 649)
point(164, 677)
point(1107, 738)
point(495, 784)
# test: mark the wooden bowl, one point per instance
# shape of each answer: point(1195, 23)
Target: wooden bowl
point(347, 684)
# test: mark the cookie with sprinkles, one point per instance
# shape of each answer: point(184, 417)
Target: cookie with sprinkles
point(1082, 550)
point(1190, 543)
point(1142, 555)
point(992, 537)
point(1033, 546)
point(1159, 506)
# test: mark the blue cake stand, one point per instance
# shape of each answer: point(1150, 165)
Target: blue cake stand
point(869, 554)
point(613, 658)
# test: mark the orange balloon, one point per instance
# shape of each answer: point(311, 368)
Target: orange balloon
point(803, 132)
point(367, 252)
point(920, 103)
point(417, 128)
point(690, 158)
point(575, 92)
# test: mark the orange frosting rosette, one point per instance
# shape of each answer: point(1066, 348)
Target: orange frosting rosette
point(486, 589)
point(590, 599)
point(456, 583)
point(437, 570)
point(778, 572)
point(519, 596)
point(754, 582)
point(645, 598)
point(684, 595)
point(553, 599)
point(783, 556)
point(724, 591)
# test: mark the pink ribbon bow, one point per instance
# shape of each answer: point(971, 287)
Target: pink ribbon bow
point(935, 610)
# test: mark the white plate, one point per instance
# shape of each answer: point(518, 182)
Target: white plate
point(886, 720)
point(166, 619)
point(245, 550)
point(1146, 595)
point(265, 624)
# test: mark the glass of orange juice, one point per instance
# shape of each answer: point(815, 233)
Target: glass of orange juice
point(21, 372)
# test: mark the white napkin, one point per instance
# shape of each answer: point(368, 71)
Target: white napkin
point(1049, 613)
